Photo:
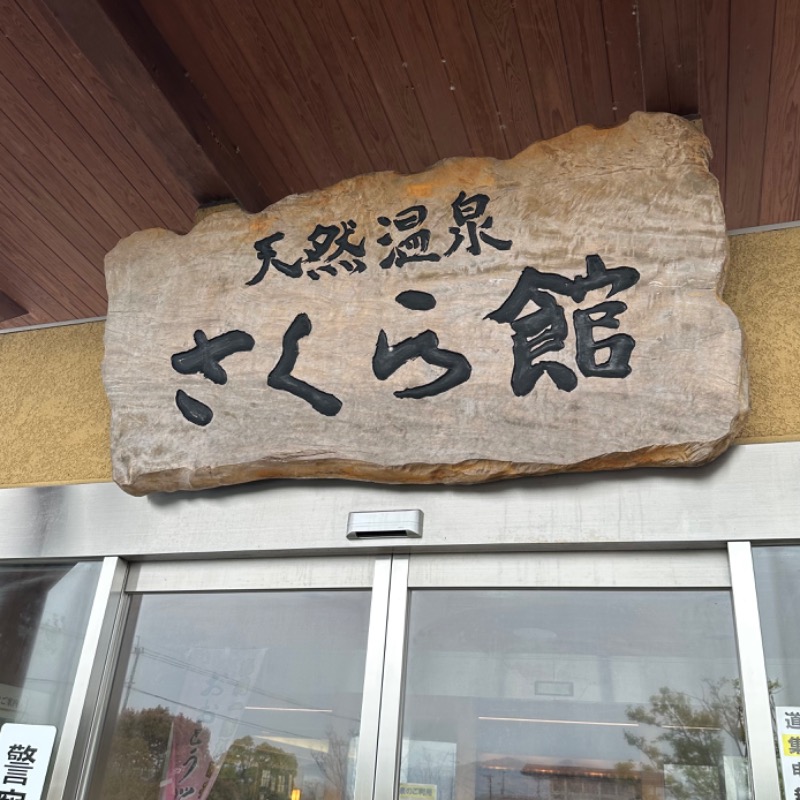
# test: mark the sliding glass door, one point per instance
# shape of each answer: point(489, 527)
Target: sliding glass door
point(431, 677)
point(252, 691)
point(572, 677)
point(589, 693)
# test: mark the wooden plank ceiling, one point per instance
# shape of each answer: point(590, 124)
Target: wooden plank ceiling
point(117, 115)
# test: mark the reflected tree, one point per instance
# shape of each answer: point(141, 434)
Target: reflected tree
point(137, 761)
point(334, 762)
point(694, 733)
point(435, 764)
point(253, 771)
point(139, 751)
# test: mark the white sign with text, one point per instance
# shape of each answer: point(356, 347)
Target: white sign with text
point(25, 752)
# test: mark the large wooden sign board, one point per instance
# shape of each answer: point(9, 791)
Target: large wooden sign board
point(484, 319)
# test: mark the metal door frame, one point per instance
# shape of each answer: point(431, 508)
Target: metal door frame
point(367, 572)
point(709, 569)
point(390, 579)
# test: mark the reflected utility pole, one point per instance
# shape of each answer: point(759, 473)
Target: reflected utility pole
point(137, 651)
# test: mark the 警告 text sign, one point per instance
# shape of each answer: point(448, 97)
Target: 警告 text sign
point(25, 752)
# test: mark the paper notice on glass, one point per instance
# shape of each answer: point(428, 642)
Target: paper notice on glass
point(25, 752)
point(417, 791)
point(787, 723)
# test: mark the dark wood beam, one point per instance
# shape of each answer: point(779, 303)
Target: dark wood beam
point(10, 309)
point(124, 46)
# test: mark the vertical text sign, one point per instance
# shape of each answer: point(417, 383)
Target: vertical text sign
point(25, 751)
point(788, 726)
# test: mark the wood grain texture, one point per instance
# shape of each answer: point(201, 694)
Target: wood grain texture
point(679, 32)
point(9, 308)
point(466, 69)
point(49, 158)
point(652, 44)
point(374, 42)
point(498, 36)
point(354, 126)
point(163, 36)
point(587, 59)
point(781, 180)
point(713, 54)
point(350, 86)
point(620, 20)
point(269, 88)
point(25, 256)
point(178, 86)
point(41, 305)
point(80, 122)
point(548, 75)
point(61, 232)
point(73, 182)
point(96, 39)
point(151, 173)
point(81, 277)
point(423, 60)
point(685, 70)
point(751, 29)
point(121, 114)
point(42, 192)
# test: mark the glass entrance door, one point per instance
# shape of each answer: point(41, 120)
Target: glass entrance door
point(533, 676)
point(558, 679)
point(554, 694)
point(252, 691)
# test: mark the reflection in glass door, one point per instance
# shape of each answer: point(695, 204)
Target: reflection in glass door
point(464, 677)
point(560, 694)
point(237, 696)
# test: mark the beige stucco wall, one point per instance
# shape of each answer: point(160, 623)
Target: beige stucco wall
point(54, 416)
point(763, 289)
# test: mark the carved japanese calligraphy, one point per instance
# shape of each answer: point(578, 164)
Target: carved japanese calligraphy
point(485, 319)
